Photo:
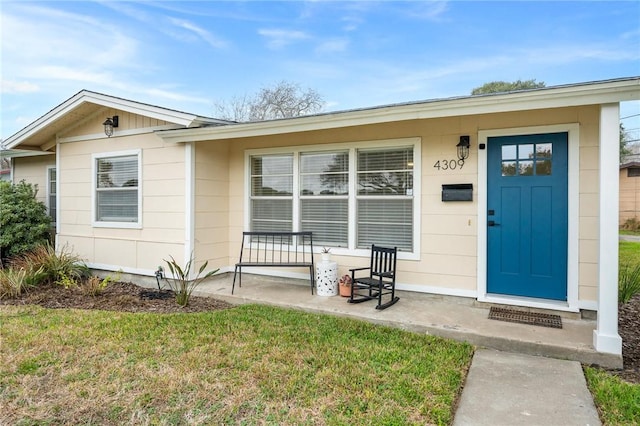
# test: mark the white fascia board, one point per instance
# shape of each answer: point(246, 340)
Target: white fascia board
point(158, 113)
point(17, 153)
point(558, 97)
point(172, 116)
point(43, 121)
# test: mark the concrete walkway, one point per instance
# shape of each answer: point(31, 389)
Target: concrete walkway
point(514, 389)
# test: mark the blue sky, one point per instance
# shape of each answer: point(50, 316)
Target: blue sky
point(189, 55)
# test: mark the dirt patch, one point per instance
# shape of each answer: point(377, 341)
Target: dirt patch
point(128, 297)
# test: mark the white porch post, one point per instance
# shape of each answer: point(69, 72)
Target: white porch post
point(189, 207)
point(605, 336)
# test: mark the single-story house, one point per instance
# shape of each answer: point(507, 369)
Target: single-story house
point(528, 218)
point(629, 191)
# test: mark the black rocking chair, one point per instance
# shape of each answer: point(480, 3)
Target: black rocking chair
point(380, 281)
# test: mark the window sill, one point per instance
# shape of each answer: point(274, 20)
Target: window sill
point(120, 225)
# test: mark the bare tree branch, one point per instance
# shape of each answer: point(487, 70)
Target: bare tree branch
point(284, 100)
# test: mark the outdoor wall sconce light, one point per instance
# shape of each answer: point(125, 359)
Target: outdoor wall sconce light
point(463, 148)
point(109, 125)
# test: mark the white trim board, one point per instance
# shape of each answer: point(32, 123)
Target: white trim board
point(573, 131)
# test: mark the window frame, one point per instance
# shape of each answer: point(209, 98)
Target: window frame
point(52, 190)
point(633, 172)
point(351, 147)
point(137, 224)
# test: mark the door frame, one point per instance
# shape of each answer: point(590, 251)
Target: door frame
point(573, 190)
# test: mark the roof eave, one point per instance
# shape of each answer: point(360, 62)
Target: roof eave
point(18, 153)
point(177, 117)
point(613, 91)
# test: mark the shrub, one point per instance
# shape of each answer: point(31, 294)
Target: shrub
point(64, 267)
point(180, 283)
point(96, 285)
point(632, 224)
point(628, 282)
point(24, 222)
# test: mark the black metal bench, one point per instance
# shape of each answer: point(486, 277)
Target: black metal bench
point(275, 249)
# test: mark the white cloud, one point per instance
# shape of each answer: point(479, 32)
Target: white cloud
point(429, 10)
point(176, 96)
point(333, 46)
point(201, 33)
point(277, 38)
point(10, 86)
point(33, 36)
point(351, 23)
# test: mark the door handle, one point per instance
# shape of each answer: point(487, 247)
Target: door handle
point(492, 223)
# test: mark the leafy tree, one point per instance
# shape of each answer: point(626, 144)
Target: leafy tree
point(284, 100)
point(505, 86)
point(24, 222)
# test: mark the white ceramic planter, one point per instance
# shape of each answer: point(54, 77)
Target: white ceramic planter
point(327, 278)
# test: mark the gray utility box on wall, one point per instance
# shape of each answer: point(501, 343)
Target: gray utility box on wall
point(457, 192)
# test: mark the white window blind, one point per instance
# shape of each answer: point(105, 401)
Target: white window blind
point(324, 196)
point(117, 189)
point(272, 193)
point(385, 198)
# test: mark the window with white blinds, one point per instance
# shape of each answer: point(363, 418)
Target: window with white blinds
point(272, 193)
point(349, 196)
point(385, 198)
point(117, 196)
point(324, 197)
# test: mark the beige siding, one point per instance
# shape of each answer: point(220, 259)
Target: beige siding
point(212, 204)
point(34, 171)
point(126, 122)
point(448, 248)
point(589, 119)
point(629, 196)
point(447, 257)
point(163, 204)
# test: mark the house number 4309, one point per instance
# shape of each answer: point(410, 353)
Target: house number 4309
point(449, 164)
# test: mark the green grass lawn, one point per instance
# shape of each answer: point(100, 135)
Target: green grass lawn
point(617, 400)
point(247, 365)
point(629, 252)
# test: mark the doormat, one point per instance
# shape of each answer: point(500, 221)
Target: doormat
point(524, 317)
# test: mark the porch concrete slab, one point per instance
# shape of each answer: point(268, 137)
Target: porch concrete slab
point(514, 389)
point(456, 318)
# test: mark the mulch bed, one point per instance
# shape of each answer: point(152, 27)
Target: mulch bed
point(629, 329)
point(124, 297)
point(128, 297)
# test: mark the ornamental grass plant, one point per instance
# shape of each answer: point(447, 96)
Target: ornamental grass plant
point(181, 282)
point(61, 267)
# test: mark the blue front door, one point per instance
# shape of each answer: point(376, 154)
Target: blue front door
point(527, 216)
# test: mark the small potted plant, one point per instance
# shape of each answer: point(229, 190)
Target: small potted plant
point(344, 285)
point(325, 254)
